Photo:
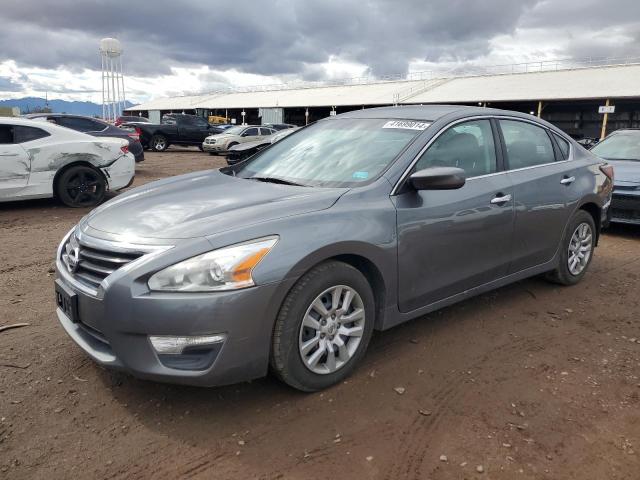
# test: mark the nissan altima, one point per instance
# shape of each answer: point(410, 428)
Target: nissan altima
point(288, 262)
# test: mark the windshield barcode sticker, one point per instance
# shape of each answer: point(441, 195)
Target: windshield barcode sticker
point(406, 124)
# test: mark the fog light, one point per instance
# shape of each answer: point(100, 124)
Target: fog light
point(176, 345)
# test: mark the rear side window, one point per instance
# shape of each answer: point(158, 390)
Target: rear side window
point(80, 124)
point(563, 145)
point(266, 131)
point(468, 145)
point(22, 134)
point(250, 132)
point(527, 145)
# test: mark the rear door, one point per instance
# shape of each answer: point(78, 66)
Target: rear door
point(452, 240)
point(15, 164)
point(545, 191)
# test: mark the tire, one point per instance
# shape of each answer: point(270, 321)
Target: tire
point(575, 241)
point(201, 148)
point(290, 335)
point(159, 143)
point(81, 186)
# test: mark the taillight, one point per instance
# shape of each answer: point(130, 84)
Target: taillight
point(608, 171)
point(124, 149)
point(136, 134)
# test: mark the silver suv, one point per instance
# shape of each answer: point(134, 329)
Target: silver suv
point(222, 142)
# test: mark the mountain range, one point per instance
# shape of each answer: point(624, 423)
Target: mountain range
point(29, 104)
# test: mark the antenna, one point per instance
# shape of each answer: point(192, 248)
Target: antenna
point(113, 98)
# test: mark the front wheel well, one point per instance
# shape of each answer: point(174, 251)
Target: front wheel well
point(373, 276)
point(59, 173)
point(593, 210)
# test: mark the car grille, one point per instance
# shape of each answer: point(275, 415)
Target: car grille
point(626, 207)
point(89, 265)
point(210, 141)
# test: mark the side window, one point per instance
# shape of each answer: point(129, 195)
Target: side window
point(6, 134)
point(201, 123)
point(168, 121)
point(265, 131)
point(468, 145)
point(527, 145)
point(80, 124)
point(563, 145)
point(22, 134)
point(250, 132)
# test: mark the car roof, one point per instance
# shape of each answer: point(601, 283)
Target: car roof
point(430, 113)
point(52, 114)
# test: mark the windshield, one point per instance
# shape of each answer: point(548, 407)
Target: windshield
point(234, 130)
point(621, 146)
point(334, 153)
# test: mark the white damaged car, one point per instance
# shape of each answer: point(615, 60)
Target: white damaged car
point(39, 159)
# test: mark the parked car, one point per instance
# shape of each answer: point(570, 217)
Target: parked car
point(130, 119)
point(279, 126)
point(622, 150)
point(222, 142)
point(242, 151)
point(94, 127)
point(175, 129)
point(39, 159)
point(290, 260)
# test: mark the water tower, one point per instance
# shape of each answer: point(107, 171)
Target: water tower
point(113, 98)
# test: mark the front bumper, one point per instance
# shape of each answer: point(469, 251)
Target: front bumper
point(115, 323)
point(214, 147)
point(625, 206)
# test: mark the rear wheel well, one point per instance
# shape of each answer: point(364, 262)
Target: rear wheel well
point(373, 276)
point(59, 173)
point(593, 210)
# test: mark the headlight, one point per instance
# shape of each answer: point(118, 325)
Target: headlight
point(228, 268)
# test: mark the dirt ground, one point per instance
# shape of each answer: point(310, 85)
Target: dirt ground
point(532, 381)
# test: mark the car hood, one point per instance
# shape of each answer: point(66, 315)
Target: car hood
point(202, 204)
point(625, 171)
point(221, 136)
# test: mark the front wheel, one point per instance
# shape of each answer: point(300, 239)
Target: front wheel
point(577, 250)
point(323, 327)
point(81, 186)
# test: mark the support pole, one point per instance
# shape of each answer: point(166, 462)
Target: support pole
point(605, 118)
point(103, 109)
point(540, 109)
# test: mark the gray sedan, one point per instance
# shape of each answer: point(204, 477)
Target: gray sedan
point(288, 261)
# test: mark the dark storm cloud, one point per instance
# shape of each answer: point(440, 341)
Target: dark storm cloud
point(279, 37)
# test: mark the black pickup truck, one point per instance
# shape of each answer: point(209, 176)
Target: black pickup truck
point(175, 129)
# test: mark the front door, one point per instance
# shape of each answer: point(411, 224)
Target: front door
point(15, 165)
point(452, 240)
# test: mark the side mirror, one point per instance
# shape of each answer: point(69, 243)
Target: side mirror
point(438, 178)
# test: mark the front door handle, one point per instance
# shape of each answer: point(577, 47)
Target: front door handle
point(567, 180)
point(500, 199)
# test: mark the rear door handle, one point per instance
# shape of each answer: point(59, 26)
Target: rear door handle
point(499, 199)
point(567, 180)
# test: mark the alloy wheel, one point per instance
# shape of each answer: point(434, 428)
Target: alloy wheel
point(331, 329)
point(580, 248)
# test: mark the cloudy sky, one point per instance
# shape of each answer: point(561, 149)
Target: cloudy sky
point(192, 46)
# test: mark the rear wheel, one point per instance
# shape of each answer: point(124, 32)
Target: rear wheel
point(577, 250)
point(159, 143)
point(324, 327)
point(81, 186)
